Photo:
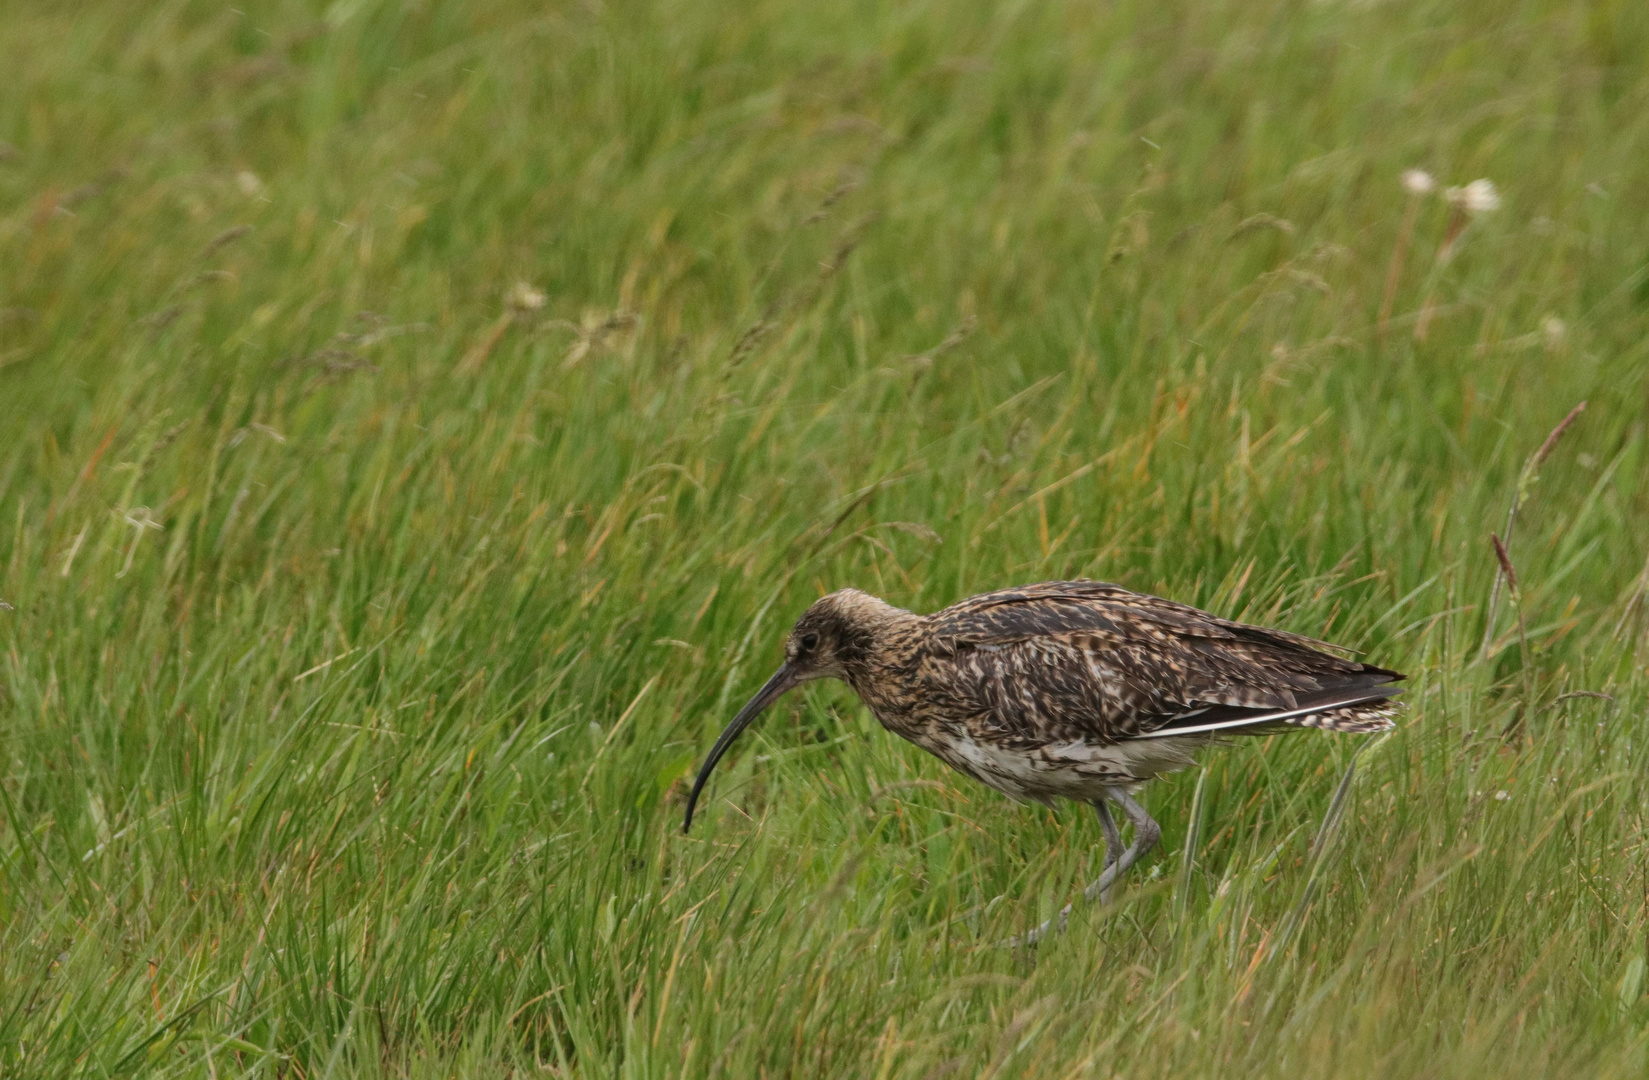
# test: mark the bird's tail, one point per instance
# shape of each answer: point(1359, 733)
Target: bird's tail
point(1359, 712)
point(1360, 719)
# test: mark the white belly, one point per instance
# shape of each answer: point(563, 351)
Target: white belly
point(1075, 770)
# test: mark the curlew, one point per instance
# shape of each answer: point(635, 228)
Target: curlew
point(1073, 689)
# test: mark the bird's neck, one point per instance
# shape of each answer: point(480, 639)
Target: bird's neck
point(886, 640)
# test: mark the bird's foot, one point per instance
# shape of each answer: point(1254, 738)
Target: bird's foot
point(1055, 925)
point(1099, 890)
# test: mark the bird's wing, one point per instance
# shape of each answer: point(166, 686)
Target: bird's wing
point(1088, 660)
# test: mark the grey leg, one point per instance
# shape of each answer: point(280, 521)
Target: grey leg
point(1113, 840)
point(1117, 860)
point(1146, 834)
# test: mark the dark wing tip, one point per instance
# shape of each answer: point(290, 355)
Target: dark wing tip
point(1383, 675)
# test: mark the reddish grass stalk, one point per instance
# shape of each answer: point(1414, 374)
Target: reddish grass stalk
point(1526, 478)
point(1394, 273)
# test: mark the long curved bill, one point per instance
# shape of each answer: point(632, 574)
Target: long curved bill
point(782, 680)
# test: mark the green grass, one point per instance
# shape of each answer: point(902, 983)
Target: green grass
point(363, 627)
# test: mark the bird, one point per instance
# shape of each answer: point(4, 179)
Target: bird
point(1080, 690)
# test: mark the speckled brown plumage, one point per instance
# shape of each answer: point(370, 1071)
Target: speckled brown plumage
point(1077, 689)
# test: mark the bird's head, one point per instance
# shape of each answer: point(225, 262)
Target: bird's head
point(837, 632)
point(830, 639)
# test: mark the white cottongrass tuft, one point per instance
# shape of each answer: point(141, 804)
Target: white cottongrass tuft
point(1418, 182)
point(523, 297)
point(1477, 197)
point(1555, 331)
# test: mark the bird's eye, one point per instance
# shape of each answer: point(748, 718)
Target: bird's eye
point(809, 641)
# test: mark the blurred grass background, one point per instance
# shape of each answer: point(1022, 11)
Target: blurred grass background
point(422, 421)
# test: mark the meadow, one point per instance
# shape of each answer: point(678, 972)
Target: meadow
point(421, 422)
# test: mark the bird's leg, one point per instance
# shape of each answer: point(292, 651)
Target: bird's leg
point(1114, 853)
point(1113, 840)
point(1146, 834)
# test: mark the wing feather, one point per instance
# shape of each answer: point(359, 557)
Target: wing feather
point(1093, 661)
